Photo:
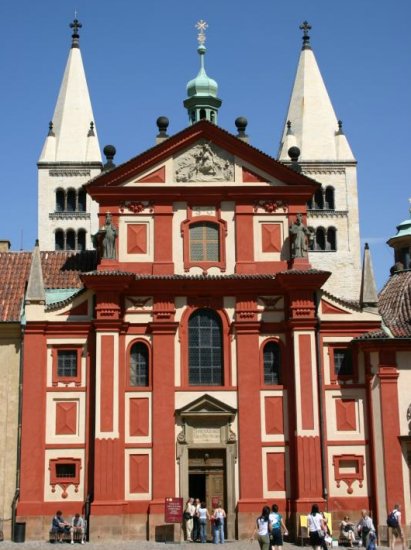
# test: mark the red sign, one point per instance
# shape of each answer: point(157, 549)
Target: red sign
point(173, 511)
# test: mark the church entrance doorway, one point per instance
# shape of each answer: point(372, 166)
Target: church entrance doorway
point(206, 453)
point(206, 477)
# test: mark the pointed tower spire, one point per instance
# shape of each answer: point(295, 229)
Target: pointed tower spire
point(310, 110)
point(313, 129)
point(368, 293)
point(202, 102)
point(73, 111)
point(35, 288)
point(70, 156)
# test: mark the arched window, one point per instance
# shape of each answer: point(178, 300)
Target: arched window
point(329, 198)
point(204, 242)
point(205, 350)
point(60, 197)
point(81, 201)
point(311, 242)
point(139, 365)
point(71, 200)
point(272, 363)
point(203, 114)
point(331, 239)
point(319, 239)
point(59, 239)
point(70, 240)
point(81, 239)
point(318, 200)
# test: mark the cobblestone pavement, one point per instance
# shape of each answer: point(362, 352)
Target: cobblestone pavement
point(137, 545)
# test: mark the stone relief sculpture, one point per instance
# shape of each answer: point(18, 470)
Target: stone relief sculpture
point(204, 162)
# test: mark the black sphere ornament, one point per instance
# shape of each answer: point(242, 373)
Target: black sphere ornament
point(294, 152)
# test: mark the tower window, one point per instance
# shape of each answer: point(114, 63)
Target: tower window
point(205, 358)
point(139, 365)
point(59, 240)
point(331, 239)
point(60, 200)
point(203, 114)
point(319, 239)
point(329, 198)
point(70, 240)
point(272, 363)
point(81, 201)
point(81, 239)
point(71, 200)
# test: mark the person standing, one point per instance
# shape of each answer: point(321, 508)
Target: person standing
point(263, 528)
point(397, 533)
point(189, 512)
point(196, 521)
point(277, 528)
point(203, 516)
point(219, 518)
point(316, 527)
point(365, 526)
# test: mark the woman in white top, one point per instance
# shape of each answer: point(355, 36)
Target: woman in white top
point(203, 516)
point(263, 528)
point(316, 527)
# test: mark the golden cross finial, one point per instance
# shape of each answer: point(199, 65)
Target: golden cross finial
point(201, 26)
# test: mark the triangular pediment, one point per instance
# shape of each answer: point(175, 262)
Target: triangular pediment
point(206, 405)
point(202, 153)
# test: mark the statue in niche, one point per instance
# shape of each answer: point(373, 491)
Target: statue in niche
point(301, 237)
point(105, 239)
point(204, 162)
point(409, 419)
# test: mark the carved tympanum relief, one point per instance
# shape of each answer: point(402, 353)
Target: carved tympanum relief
point(204, 162)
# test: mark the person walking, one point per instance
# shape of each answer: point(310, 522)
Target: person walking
point(316, 527)
point(263, 528)
point(277, 528)
point(219, 516)
point(203, 516)
point(394, 522)
point(365, 526)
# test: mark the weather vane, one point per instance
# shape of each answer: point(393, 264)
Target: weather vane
point(201, 26)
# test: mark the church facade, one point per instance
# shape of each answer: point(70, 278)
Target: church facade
point(220, 343)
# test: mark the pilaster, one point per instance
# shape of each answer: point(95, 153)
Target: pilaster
point(388, 376)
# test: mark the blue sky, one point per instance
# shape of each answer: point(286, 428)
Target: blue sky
point(139, 55)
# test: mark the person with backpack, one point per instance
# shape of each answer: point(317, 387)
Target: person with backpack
point(277, 524)
point(394, 522)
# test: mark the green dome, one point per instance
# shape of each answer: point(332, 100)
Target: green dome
point(202, 85)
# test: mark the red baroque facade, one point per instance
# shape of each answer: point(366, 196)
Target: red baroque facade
point(203, 360)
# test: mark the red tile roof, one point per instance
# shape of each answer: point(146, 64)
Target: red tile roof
point(60, 270)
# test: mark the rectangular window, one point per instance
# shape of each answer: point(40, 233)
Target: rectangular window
point(65, 470)
point(343, 364)
point(67, 363)
point(204, 242)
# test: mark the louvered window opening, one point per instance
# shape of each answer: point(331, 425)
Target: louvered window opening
point(205, 349)
point(204, 243)
point(272, 363)
point(139, 365)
